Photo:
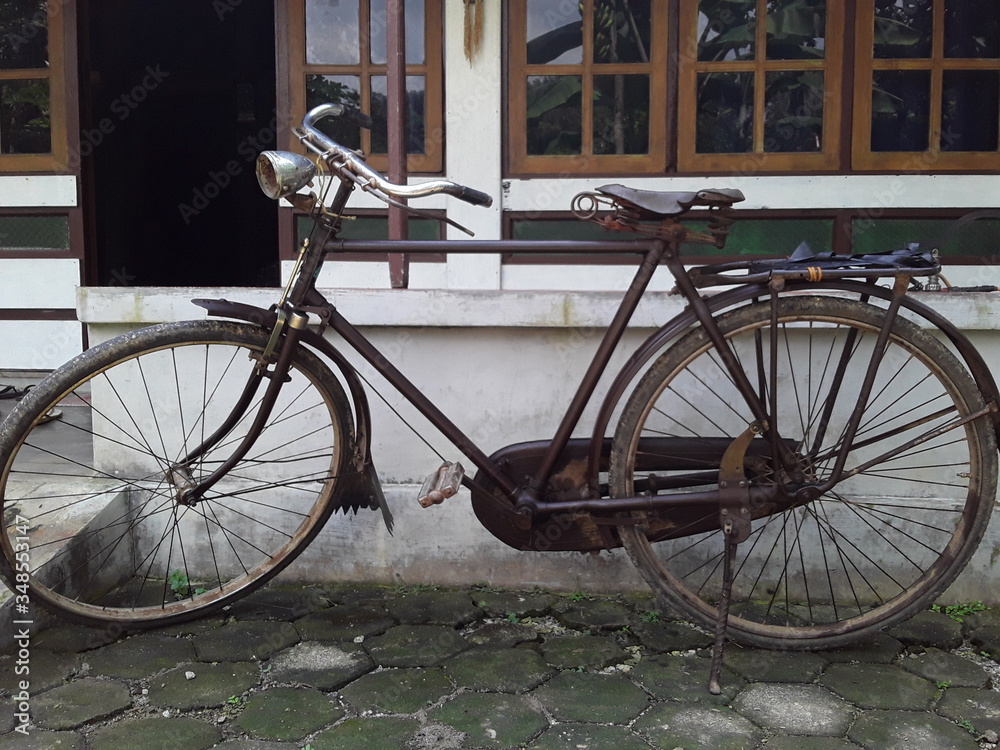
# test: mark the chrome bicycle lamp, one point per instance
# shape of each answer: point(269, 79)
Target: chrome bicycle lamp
point(282, 173)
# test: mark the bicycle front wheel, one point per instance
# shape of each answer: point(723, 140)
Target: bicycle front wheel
point(914, 498)
point(95, 460)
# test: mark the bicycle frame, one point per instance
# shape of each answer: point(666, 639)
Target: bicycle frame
point(528, 503)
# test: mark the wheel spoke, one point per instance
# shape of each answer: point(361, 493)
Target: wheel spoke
point(908, 508)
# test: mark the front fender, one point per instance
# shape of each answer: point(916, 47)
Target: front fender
point(365, 481)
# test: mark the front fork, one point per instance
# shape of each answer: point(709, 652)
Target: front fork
point(284, 340)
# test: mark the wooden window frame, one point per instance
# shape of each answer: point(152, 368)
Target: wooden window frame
point(56, 73)
point(432, 160)
point(520, 162)
point(757, 160)
point(933, 159)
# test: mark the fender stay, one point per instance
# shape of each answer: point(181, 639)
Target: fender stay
point(686, 319)
point(364, 490)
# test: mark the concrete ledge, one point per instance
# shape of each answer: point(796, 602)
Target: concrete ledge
point(460, 308)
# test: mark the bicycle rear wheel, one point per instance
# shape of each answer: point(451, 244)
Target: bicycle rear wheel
point(92, 471)
point(916, 493)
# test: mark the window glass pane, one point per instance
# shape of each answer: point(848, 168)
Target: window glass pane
point(414, 115)
point(34, 233)
point(977, 238)
point(555, 116)
point(24, 117)
point(796, 29)
point(563, 229)
point(771, 237)
point(334, 90)
point(725, 113)
point(970, 110)
point(375, 228)
point(621, 114)
point(900, 110)
point(903, 28)
point(793, 111)
point(332, 32)
point(971, 28)
point(621, 31)
point(726, 29)
point(24, 34)
point(414, 19)
point(555, 33)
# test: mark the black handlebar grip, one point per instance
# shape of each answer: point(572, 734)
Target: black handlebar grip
point(350, 114)
point(475, 197)
point(357, 117)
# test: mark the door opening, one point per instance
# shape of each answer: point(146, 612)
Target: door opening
point(178, 99)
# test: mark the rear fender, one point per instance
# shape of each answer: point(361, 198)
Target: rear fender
point(686, 320)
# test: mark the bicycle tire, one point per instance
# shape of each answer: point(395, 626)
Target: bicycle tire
point(93, 527)
point(871, 552)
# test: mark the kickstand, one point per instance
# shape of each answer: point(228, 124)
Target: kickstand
point(722, 618)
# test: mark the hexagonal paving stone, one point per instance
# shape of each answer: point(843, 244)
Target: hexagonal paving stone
point(587, 651)
point(437, 737)
point(577, 696)
point(943, 666)
point(156, 733)
point(795, 709)
point(504, 670)
point(277, 602)
point(517, 603)
point(774, 666)
point(981, 707)
point(345, 622)
point(929, 629)
point(490, 720)
point(73, 639)
point(690, 725)
point(212, 685)
point(810, 743)
point(325, 666)
point(878, 686)
point(375, 733)
point(48, 670)
point(669, 677)
point(593, 614)
point(671, 636)
point(881, 649)
point(140, 656)
point(453, 608)
point(398, 691)
point(287, 713)
point(588, 736)
point(987, 638)
point(502, 635)
point(907, 730)
point(38, 739)
point(245, 641)
point(74, 704)
point(415, 646)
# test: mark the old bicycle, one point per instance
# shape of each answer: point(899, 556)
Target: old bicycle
point(795, 459)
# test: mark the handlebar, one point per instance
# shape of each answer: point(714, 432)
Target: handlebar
point(349, 164)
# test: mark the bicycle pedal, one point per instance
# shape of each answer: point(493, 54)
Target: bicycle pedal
point(441, 485)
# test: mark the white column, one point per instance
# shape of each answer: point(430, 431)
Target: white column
point(473, 134)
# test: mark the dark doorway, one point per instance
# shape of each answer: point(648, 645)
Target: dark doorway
point(178, 98)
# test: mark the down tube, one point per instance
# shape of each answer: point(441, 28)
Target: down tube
point(409, 391)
